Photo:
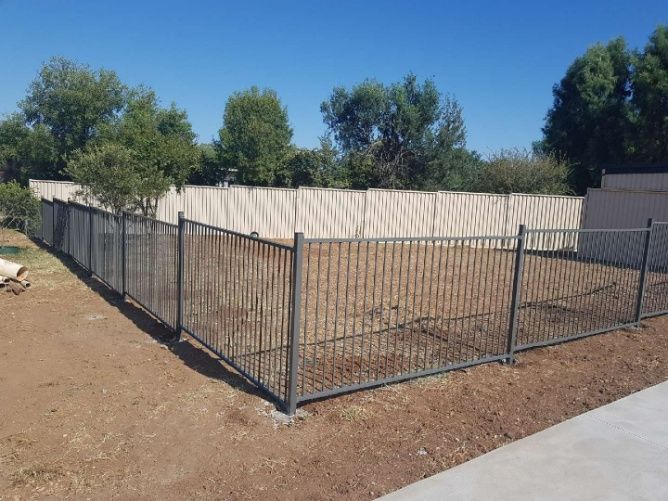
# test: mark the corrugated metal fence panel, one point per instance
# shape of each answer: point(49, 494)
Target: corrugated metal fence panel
point(334, 213)
point(206, 204)
point(543, 212)
point(392, 213)
point(170, 205)
point(54, 189)
point(330, 213)
point(644, 182)
point(268, 211)
point(461, 214)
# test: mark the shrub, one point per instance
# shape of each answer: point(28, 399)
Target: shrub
point(520, 171)
point(19, 208)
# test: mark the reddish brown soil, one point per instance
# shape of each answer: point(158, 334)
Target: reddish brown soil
point(92, 405)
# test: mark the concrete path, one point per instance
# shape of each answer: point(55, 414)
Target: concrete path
point(616, 452)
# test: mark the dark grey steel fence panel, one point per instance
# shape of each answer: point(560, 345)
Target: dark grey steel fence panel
point(151, 265)
point(60, 225)
point(106, 247)
point(382, 310)
point(47, 222)
point(656, 285)
point(567, 293)
point(236, 297)
point(79, 234)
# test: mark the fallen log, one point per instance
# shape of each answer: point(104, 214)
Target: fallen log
point(14, 271)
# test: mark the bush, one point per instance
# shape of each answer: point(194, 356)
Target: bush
point(19, 208)
point(520, 171)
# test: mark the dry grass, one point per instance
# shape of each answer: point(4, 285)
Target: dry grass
point(355, 413)
point(51, 271)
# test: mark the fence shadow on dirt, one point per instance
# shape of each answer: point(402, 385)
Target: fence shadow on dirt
point(195, 358)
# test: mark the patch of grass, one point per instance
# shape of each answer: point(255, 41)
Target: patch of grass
point(44, 268)
point(355, 413)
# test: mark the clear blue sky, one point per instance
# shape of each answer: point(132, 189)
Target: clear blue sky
point(499, 59)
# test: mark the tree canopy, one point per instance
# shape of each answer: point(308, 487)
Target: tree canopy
point(72, 101)
point(152, 147)
point(650, 98)
point(610, 107)
point(255, 137)
point(397, 135)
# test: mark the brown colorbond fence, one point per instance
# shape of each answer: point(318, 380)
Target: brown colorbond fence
point(323, 316)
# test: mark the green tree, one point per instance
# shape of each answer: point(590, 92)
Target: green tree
point(650, 98)
point(19, 207)
point(73, 102)
point(111, 174)
point(389, 135)
point(310, 167)
point(520, 171)
point(591, 120)
point(451, 166)
point(26, 152)
point(255, 138)
point(210, 171)
point(161, 141)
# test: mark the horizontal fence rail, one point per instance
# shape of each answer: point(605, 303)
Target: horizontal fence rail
point(322, 316)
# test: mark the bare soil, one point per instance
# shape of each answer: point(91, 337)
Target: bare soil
point(93, 405)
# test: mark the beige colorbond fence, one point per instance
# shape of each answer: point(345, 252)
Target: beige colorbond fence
point(332, 213)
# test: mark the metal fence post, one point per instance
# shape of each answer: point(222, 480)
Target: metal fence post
point(515, 299)
point(90, 240)
point(179, 278)
point(124, 244)
point(53, 224)
point(643, 271)
point(293, 353)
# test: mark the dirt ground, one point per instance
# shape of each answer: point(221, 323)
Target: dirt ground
point(93, 405)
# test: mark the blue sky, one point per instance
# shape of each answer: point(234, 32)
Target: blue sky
point(499, 59)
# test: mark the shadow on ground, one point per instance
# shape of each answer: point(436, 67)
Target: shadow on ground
point(198, 359)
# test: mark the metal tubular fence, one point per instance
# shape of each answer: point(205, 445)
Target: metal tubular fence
point(150, 273)
point(107, 248)
point(330, 315)
point(376, 311)
point(237, 301)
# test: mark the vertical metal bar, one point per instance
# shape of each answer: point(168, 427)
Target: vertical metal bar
point(298, 257)
point(643, 271)
point(517, 286)
point(180, 276)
